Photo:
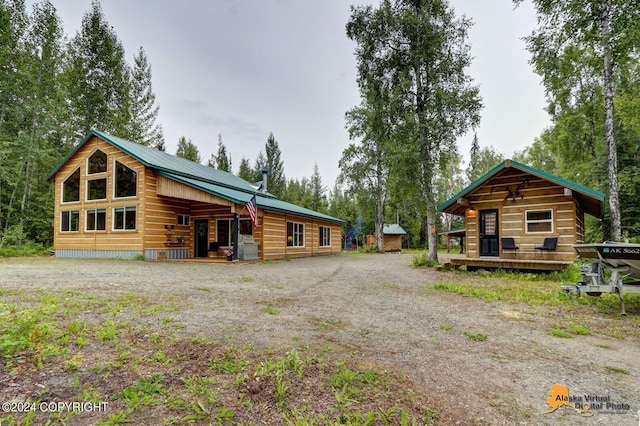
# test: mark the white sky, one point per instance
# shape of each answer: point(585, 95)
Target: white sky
point(246, 68)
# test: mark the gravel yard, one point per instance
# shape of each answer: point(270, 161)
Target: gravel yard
point(382, 310)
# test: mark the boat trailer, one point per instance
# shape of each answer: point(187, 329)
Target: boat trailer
point(621, 260)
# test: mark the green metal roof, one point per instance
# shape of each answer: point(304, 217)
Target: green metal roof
point(593, 200)
point(213, 181)
point(393, 229)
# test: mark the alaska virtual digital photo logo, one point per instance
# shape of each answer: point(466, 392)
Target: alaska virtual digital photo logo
point(585, 405)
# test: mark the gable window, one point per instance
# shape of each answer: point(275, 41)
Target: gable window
point(69, 220)
point(124, 218)
point(96, 219)
point(97, 189)
point(295, 234)
point(125, 182)
point(325, 236)
point(71, 188)
point(97, 163)
point(539, 221)
point(184, 220)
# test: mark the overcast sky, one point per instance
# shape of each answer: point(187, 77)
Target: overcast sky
point(247, 68)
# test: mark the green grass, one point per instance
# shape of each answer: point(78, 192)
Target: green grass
point(616, 369)
point(476, 337)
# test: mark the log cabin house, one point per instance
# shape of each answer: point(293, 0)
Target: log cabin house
point(118, 199)
point(514, 209)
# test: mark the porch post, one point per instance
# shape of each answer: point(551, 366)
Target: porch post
point(236, 235)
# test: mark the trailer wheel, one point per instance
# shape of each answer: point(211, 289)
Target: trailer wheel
point(594, 293)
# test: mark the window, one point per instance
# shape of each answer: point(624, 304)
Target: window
point(125, 182)
point(246, 227)
point(539, 221)
point(184, 220)
point(224, 232)
point(124, 218)
point(69, 220)
point(295, 234)
point(97, 163)
point(96, 219)
point(97, 189)
point(325, 236)
point(71, 188)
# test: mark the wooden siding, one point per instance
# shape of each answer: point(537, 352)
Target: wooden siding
point(392, 242)
point(537, 194)
point(109, 239)
point(275, 237)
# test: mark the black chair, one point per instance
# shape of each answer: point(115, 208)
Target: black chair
point(550, 244)
point(508, 243)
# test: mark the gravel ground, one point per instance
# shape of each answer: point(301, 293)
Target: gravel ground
point(378, 308)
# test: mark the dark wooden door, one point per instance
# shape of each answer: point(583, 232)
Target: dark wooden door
point(201, 237)
point(489, 245)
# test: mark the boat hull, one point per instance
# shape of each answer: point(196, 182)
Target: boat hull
point(616, 255)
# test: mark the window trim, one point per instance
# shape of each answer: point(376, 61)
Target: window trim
point(115, 180)
point(79, 187)
point(62, 212)
point(183, 217)
point(106, 163)
point(95, 212)
point(327, 236)
point(124, 221)
point(527, 221)
point(106, 190)
point(296, 231)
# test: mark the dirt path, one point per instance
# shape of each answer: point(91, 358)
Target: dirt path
point(378, 308)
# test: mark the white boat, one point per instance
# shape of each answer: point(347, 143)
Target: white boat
point(621, 259)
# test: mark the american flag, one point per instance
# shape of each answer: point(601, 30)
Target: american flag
point(253, 210)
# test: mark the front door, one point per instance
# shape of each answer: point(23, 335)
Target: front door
point(489, 233)
point(201, 237)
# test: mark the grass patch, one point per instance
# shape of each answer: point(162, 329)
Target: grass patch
point(561, 333)
point(129, 360)
point(616, 369)
point(476, 337)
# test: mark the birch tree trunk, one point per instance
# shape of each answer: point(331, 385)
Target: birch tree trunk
point(614, 198)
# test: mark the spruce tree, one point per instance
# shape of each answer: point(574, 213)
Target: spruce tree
point(143, 127)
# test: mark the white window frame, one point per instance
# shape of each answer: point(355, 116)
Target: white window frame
point(115, 180)
point(324, 237)
point(527, 221)
point(79, 187)
point(69, 220)
point(297, 234)
point(124, 209)
point(95, 212)
point(184, 220)
point(106, 189)
point(89, 159)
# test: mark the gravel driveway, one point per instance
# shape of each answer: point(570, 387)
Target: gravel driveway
point(379, 308)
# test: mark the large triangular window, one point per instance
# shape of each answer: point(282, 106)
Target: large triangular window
point(97, 163)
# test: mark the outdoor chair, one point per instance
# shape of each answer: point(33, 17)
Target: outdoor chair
point(549, 245)
point(508, 243)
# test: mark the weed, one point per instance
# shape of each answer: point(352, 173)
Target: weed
point(445, 327)
point(142, 392)
point(272, 311)
point(108, 330)
point(560, 333)
point(230, 362)
point(616, 369)
point(477, 337)
point(581, 330)
point(422, 260)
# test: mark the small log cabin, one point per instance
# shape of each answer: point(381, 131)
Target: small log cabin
point(513, 209)
point(391, 237)
point(118, 199)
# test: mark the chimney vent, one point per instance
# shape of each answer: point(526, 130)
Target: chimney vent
point(265, 173)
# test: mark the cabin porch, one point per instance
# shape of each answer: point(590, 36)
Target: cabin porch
point(473, 263)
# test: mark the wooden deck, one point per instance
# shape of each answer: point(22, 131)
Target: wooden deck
point(473, 263)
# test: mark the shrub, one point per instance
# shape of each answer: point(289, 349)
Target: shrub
point(422, 259)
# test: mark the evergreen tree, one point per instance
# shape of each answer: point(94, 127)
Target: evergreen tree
point(318, 197)
point(276, 181)
point(188, 150)
point(259, 165)
point(473, 158)
point(143, 127)
point(221, 160)
point(245, 171)
point(97, 78)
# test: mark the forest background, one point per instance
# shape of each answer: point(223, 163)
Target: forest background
point(53, 89)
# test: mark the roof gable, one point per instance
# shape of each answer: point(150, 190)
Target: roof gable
point(591, 201)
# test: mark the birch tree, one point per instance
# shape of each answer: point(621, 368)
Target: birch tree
point(418, 50)
point(593, 39)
